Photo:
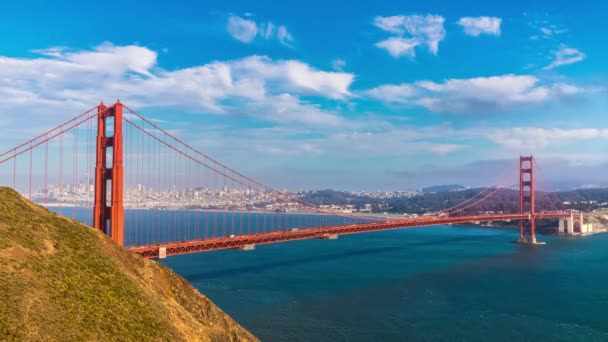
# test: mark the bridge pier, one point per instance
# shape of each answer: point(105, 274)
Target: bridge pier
point(574, 225)
point(522, 233)
point(533, 231)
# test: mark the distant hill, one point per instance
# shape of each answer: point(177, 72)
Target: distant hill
point(63, 281)
point(443, 188)
point(441, 197)
point(320, 197)
point(596, 194)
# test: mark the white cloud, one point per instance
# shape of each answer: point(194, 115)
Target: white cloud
point(387, 140)
point(246, 30)
point(398, 46)
point(284, 36)
point(296, 76)
point(552, 31)
point(474, 26)
point(564, 56)
point(420, 30)
point(393, 142)
point(61, 81)
point(546, 29)
point(369, 136)
point(393, 24)
point(242, 29)
point(52, 52)
point(343, 138)
point(401, 93)
point(446, 148)
point(535, 138)
point(285, 108)
point(508, 88)
point(444, 139)
point(479, 94)
point(267, 30)
point(68, 81)
point(566, 89)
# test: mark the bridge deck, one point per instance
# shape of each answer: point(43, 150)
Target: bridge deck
point(186, 247)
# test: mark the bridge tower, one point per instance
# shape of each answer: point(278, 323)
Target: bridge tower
point(526, 197)
point(108, 210)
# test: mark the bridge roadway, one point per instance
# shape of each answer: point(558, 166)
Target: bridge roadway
point(242, 241)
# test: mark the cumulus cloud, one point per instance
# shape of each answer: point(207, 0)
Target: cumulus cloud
point(397, 93)
point(504, 89)
point(410, 31)
point(392, 24)
point(246, 30)
point(473, 94)
point(242, 29)
point(296, 76)
point(74, 79)
point(565, 55)
point(474, 26)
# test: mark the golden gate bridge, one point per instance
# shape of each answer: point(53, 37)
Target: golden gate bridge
point(129, 161)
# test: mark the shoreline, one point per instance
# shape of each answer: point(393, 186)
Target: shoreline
point(72, 205)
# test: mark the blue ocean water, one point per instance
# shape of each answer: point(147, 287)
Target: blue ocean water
point(145, 226)
point(443, 283)
point(427, 284)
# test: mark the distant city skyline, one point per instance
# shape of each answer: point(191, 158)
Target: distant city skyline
point(392, 96)
point(140, 196)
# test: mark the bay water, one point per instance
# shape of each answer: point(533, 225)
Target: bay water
point(442, 283)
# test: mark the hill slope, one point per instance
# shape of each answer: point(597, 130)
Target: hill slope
point(63, 281)
point(599, 219)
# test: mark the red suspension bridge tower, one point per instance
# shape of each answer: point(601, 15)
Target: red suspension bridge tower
point(526, 197)
point(109, 174)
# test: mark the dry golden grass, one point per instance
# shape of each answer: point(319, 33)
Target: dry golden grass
point(599, 219)
point(63, 281)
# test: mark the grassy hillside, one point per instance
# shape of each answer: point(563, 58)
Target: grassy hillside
point(599, 219)
point(63, 281)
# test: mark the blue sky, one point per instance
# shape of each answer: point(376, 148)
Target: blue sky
point(317, 94)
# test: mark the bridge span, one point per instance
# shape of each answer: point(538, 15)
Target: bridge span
point(251, 240)
point(106, 161)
